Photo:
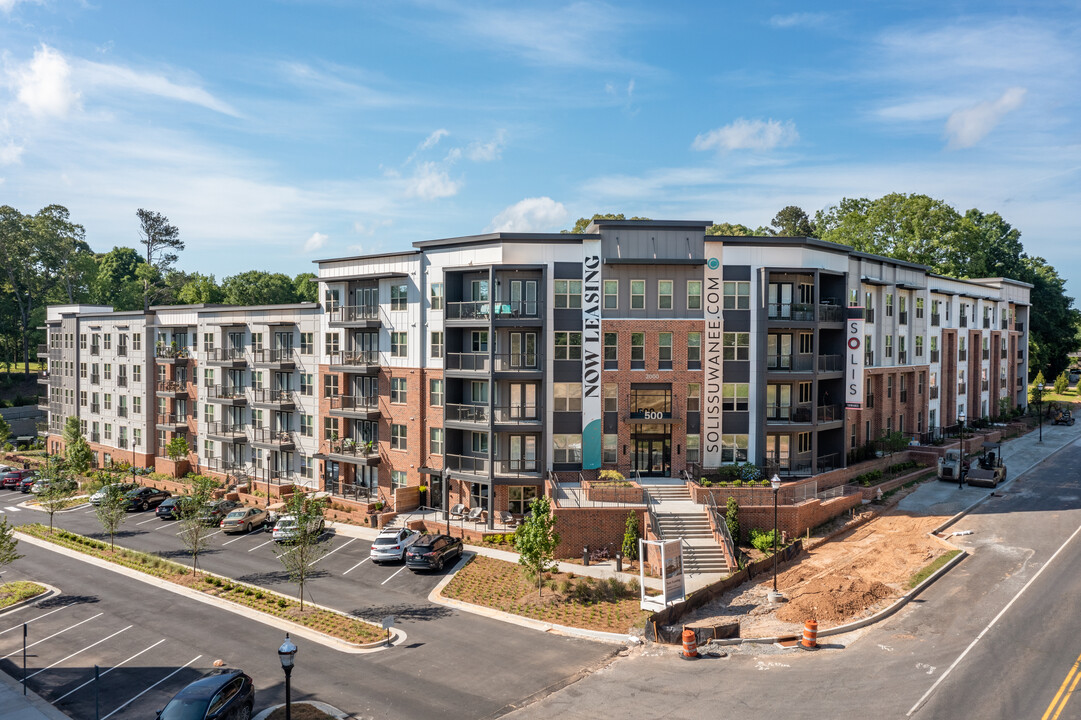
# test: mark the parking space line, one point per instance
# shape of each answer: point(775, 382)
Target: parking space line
point(229, 542)
point(352, 540)
point(114, 667)
point(14, 652)
point(87, 512)
point(356, 566)
point(144, 692)
point(393, 576)
point(16, 627)
point(144, 522)
point(99, 642)
point(261, 544)
point(12, 508)
point(167, 523)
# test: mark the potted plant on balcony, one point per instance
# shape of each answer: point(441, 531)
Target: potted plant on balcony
point(423, 495)
point(369, 447)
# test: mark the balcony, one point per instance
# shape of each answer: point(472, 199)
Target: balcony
point(358, 316)
point(962, 355)
point(95, 349)
point(122, 380)
point(830, 413)
point(122, 411)
point(518, 415)
point(521, 468)
point(987, 323)
point(363, 407)
point(356, 453)
point(95, 437)
point(828, 313)
point(962, 388)
point(790, 363)
point(902, 357)
point(1005, 324)
point(984, 385)
point(470, 362)
point(799, 414)
point(95, 379)
point(518, 362)
point(468, 414)
point(795, 312)
point(355, 361)
point(122, 350)
point(227, 432)
point(467, 465)
point(43, 349)
point(934, 356)
point(986, 354)
point(171, 422)
point(225, 467)
point(280, 440)
point(169, 355)
point(869, 314)
point(962, 321)
point(228, 357)
point(1019, 327)
point(869, 359)
point(43, 376)
point(95, 408)
point(278, 359)
point(934, 392)
point(227, 394)
point(471, 311)
point(279, 399)
point(902, 317)
point(936, 319)
point(171, 388)
point(518, 313)
point(43, 403)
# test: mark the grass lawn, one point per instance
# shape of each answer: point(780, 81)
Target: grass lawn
point(589, 603)
point(931, 567)
point(15, 592)
point(1049, 395)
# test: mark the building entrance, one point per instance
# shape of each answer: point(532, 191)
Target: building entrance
point(653, 455)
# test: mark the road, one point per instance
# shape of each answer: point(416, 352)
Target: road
point(1014, 670)
point(453, 665)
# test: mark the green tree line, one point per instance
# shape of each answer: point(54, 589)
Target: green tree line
point(45, 260)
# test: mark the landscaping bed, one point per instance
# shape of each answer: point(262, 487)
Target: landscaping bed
point(582, 602)
point(300, 711)
point(15, 592)
point(327, 622)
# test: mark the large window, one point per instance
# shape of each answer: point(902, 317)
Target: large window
point(568, 294)
point(479, 442)
point(435, 441)
point(611, 351)
point(437, 296)
point(567, 449)
point(437, 344)
point(478, 391)
point(694, 397)
point(664, 294)
point(638, 294)
point(638, 350)
point(611, 294)
point(610, 449)
point(330, 385)
point(435, 393)
point(568, 346)
point(735, 397)
point(610, 395)
point(694, 350)
point(398, 394)
point(664, 350)
point(307, 343)
point(737, 295)
point(399, 344)
point(478, 341)
point(694, 294)
point(519, 498)
point(399, 437)
point(694, 445)
point(399, 297)
point(733, 448)
point(737, 346)
point(567, 397)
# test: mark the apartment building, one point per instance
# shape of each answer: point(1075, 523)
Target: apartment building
point(476, 365)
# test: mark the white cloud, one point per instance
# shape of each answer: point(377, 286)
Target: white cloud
point(116, 76)
point(316, 241)
point(530, 215)
point(10, 153)
point(968, 126)
point(749, 135)
point(489, 151)
point(7, 6)
point(370, 229)
point(43, 84)
point(799, 19)
point(433, 139)
point(431, 182)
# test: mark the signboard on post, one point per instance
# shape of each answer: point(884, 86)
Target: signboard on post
point(672, 587)
point(854, 351)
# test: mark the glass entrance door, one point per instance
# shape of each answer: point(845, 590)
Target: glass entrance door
point(653, 456)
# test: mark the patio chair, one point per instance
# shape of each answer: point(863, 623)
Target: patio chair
point(507, 519)
point(458, 511)
point(475, 515)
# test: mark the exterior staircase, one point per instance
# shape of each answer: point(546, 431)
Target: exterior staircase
point(679, 517)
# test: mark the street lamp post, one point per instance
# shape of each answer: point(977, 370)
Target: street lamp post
point(1039, 401)
point(775, 483)
point(961, 466)
point(286, 653)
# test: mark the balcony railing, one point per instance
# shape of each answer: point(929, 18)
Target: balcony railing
point(163, 352)
point(902, 357)
point(962, 321)
point(472, 362)
point(226, 392)
point(1020, 383)
point(1020, 354)
point(517, 468)
point(902, 317)
point(518, 413)
point(266, 396)
point(934, 356)
point(278, 356)
point(936, 319)
point(466, 464)
point(122, 380)
point(987, 323)
point(266, 436)
point(358, 449)
point(962, 355)
point(518, 362)
point(354, 313)
point(43, 403)
point(95, 407)
point(227, 355)
point(1004, 354)
point(43, 376)
point(43, 349)
point(1005, 324)
point(355, 358)
point(797, 312)
point(934, 392)
point(171, 419)
point(469, 310)
point(235, 431)
point(518, 309)
point(830, 413)
point(360, 403)
point(830, 313)
point(122, 350)
point(984, 385)
point(790, 363)
point(95, 349)
point(466, 413)
point(171, 386)
point(122, 410)
point(788, 413)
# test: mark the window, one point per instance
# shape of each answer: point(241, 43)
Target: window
point(611, 294)
point(108, 401)
point(638, 294)
point(398, 479)
point(399, 437)
point(638, 350)
point(332, 343)
point(610, 449)
point(437, 296)
point(735, 397)
point(520, 498)
point(437, 344)
point(256, 380)
point(399, 344)
point(803, 443)
point(737, 346)
point(479, 341)
point(478, 391)
point(256, 341)
point(108, 371)
point(806, 343)
point(305, 383)
point(435, 441)
point(694, 451)
point(611, 351)
point(889, 346)
point(306, 426)
point(82, 398)
point(889, 304)
point(479, 442)
point(332, 299)
point(82, 370)
point(694, 397)
point(733, 448)
point(479, 290)
point(330, 386)
point(307, 343)
point(567, 449)
point(137, 405)
point(919, 307)
point(567, 397)
point(208, 375)
point(568, 294)
point(694, 350)
point(737, 296)
point(136, 437)
point(435, 393)
point(889, 386)
point(108, 431)
point(610, 395)
point(399, 297)
point(330, 428)
point(664, 350)
point(208, 342)
point(919, 346)
point(664, 294)
point(137, 373)
point(82, 341)
point(108, 341)
point(307, 467)
point(568, 346)
point(208, 412)
point(694, 294)
point(398, 391)
point(804, 392)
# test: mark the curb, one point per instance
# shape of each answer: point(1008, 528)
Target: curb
point(398, 636)
point(50, 591)
point(33, 701)
point(436, 596)
point(328, 709)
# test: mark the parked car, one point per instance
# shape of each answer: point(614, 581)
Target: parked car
point(11, 479)
point(44, 483)
point(119, 488)
point(171, 507)
point(26, 482)
point(432, 552)
point(392, 543)
point(285, 530)
point(243, 519)
point(1075, 377)
point(224, 694)
point(215, 510)
point(144, 498)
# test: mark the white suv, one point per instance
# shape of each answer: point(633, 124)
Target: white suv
point(285, 530)
point(392, 543)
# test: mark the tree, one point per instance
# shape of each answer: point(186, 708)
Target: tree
point(200, 289)
point(5, 431)
point(76, 449)
point(258, 287)
point(304, 548)
point(1062, 382)
point(20, 260)
point(306, 288)
point(117, 280)
point(162, 242)
point(792, 221)
point(177, 448)
point(997, 247)
point(731, 518)
point(8, 543)
point(630, 537)
point(60, 489)
point(112, 511)
point(65, 252)
point(536, 541)
point(729, 230)
point(582, 223)
point(194, 532)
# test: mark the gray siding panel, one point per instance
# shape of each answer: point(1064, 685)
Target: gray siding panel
point(566, 371)
point(737, 423)
point(736, 272)
point(737, 371)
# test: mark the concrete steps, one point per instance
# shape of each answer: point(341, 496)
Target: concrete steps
point(679, 517)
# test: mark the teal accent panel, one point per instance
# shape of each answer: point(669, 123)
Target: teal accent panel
point(591, 445)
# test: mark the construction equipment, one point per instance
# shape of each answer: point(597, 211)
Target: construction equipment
point(989, 470)
point(1062, 416)
point(950, 465)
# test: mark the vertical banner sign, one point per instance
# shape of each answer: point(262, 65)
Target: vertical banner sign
point(854, 361)
point(591, 354)
point(714, 357)
point(672, 560)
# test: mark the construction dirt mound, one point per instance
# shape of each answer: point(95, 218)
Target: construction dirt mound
point(833, 600)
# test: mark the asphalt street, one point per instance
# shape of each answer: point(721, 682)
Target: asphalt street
point(454, 665)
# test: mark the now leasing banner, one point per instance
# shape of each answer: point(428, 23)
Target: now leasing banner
point(713, 357)
point(591, 355)
point(854, 361)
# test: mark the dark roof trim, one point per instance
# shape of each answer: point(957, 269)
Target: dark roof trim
point(495, 238)
point(941, 291)
point(261, 308)
point(373, 276)
point(654, 261)
point(872, 281)
point(909, 286)
point(401, 253)
point(601, 222)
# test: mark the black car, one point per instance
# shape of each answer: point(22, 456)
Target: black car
point(144, 498)
point(26, 482)
point(225, 694)
point(431, 552)
point(171, 507)
point(214, 511)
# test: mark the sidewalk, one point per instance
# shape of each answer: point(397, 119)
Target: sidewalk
point(15, 706)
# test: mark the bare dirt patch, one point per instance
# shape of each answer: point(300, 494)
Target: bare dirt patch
point(835, 582)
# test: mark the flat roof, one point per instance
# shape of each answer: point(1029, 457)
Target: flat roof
point(508, 237)
point(401, 253)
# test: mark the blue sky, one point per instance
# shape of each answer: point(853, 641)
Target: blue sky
point(274, 133)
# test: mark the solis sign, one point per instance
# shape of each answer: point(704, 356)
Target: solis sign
point(854, 361)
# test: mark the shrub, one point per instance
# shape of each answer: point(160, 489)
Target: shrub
point(762, 540)
point(731, 518)
point(283, 603)
point(630, 537)
point(611, 476)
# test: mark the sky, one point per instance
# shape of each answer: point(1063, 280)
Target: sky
point(276, 133)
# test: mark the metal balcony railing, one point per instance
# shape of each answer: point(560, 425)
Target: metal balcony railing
point(43, 403)
point(1019, 327)
point(869, 314)
point(902, 317)
point(278, 356)
point(266, 436)
point(518, 362)
point(466, 464)
point(171, 419)
point(275, 397)
point(355, 358)
point(986, 354)
point(518, 468)
point(224, 429)
point(43, 349)
point(354, 402)
point(962, 355)
point(354, 313)
point(95, 437)
point(788, 413)
point(936, 319)
point(1003, 355)
point(122, 442)
point(830, 313)
point(226, 392)
point(225, 355)
point(471, 361)
point(830, 413)
point(172, 386)
point(797, 312)
point(469, 310)
point(934, 392)
point(356, 448)
point(984, 385)
point(518, 413)
point(869, 359)
point(163, 352)
point(1005, 324)
point(961, 388)
point(95, 379)
point(934, 356)
point(466, 413)
point(516, 309)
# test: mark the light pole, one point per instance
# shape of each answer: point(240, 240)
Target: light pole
point(286, 653)
point(961, 465)
point(775, 483)
point(1039, 401)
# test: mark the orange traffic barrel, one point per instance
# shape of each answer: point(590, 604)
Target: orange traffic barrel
point(690, 645)
point(810, 634)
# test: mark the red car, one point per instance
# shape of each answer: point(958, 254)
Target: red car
point(11, 479)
